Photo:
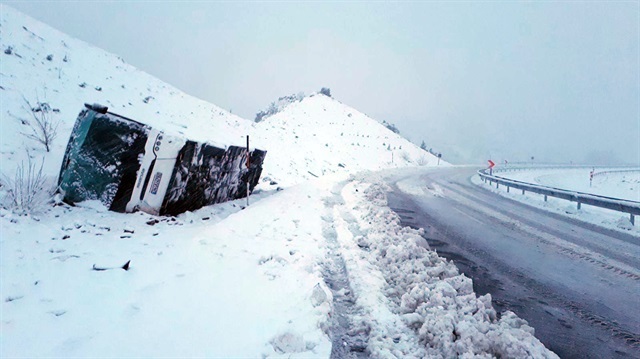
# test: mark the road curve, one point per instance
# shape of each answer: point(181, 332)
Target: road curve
point(577, 284)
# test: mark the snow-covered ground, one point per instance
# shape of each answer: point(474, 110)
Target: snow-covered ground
point(226, 282)
point(606, 182)
point(289, 276)
point(220, 282)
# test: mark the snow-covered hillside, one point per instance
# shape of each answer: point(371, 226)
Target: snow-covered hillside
point(320, 135)
point(42, 64)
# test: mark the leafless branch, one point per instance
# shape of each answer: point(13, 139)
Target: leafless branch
point(29, 189)
point(43, 128)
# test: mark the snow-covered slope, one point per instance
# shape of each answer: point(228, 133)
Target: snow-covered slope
point(320, 135)
point(316, 136)
point(77, 73)
point(323, 266)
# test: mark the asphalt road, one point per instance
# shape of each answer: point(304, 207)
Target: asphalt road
point(577, 284)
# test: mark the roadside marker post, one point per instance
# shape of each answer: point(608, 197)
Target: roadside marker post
point(248, 163)
point(491, 164)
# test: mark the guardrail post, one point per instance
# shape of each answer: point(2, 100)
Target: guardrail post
point(522, 191)
point(497, 184)
point(579, 205)
point(545, 197)
point(632, 219)
point(507, 189)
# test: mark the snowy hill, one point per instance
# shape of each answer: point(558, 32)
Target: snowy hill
point(316, 136)
point(320, 135)
point(42, 64)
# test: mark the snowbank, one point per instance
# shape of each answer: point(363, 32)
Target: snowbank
point(421, 305)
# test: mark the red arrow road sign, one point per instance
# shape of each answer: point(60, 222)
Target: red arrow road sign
point(491, 164)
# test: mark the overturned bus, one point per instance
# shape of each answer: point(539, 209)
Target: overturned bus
point(130, 166)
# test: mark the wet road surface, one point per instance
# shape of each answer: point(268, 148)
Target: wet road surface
point(577, 284)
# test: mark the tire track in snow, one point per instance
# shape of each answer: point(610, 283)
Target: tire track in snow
point(349, 336)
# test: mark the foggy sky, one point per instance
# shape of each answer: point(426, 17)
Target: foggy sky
point(558, 81)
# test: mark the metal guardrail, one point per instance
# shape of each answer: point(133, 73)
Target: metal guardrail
point(616, 171)
point(616, 204)
point(516, 168)
point(524, 167)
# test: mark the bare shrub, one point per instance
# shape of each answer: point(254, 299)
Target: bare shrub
point(276, 107)
point(391, 127)
point(28, 191)
point(43, 127)
point(423, 161)
point(405, 156)
point(326, 91)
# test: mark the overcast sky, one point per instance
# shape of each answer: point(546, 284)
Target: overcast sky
point(558, 81)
